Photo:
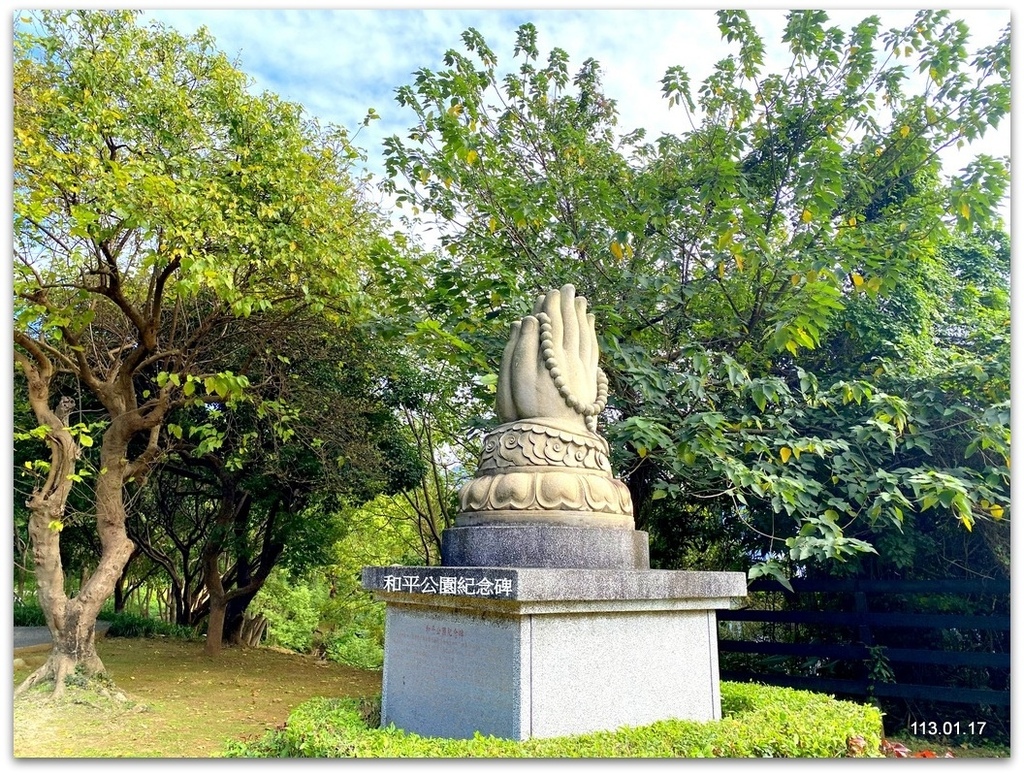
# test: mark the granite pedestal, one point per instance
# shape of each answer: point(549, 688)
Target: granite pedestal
point(544, 546)
point(542, 652)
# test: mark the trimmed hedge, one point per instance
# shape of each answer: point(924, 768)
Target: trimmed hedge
point(757, 721)
point(28, 614)
point(129, 625)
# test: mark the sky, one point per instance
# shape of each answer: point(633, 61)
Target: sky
point(338, 62)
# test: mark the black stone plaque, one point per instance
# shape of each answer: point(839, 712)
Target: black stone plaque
point(495, 583)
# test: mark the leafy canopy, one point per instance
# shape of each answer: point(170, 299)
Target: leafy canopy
point(164, 213)
point(727, 264)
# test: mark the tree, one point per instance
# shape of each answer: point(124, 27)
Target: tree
point(149, 183)
point(272, 489)
point(436, 425)
point(347, 624)
point(722, 261)
point(446, 407)
point(951, 339)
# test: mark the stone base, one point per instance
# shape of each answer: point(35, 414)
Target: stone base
point(521, 653)
point(544, 546)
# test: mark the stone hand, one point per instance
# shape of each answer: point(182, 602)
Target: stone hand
point(549, 367)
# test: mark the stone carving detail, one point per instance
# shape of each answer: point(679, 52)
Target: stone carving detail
point(546, 463)
point(547, 491)
point(520, 444)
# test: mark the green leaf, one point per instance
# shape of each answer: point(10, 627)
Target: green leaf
point(770, 568)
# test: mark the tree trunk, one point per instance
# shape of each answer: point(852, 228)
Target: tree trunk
point(72, 622)
point(218, 601)
point(227, 606)
point(235, 617)
point(163, 605)
point(252, 631)
point(215, 627)
point(74, 647)
point(119, 596)
point(46, 514)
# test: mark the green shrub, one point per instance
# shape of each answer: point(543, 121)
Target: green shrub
point(28, 614)
point(292, 608)
point(757, 722)
point(356, 649)
point(128, 625)
point(303, 615)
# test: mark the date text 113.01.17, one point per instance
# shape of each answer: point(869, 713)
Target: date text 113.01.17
point(947, 728)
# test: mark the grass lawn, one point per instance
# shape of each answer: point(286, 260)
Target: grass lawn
point(179, 703)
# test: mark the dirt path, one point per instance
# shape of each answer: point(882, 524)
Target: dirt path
point(182, 704)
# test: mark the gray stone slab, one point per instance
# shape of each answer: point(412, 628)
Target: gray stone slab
point(541, 652)
point(603, 671)
point(556, 584)
point(454, 672)
point(545, 546)
point(451, 675)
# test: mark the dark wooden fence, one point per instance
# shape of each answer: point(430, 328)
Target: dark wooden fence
point(865, 640)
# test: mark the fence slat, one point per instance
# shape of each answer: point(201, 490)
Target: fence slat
point(824, 685)
point(854, 619)
point(961, 696)
point(811, 683)
point(833, 651)
point(954, 658)
point(875, 586)
point(828, 650)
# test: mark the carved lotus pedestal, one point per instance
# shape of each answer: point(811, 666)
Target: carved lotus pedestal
point(544, 497)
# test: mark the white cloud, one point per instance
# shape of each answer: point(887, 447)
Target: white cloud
point(338, 63)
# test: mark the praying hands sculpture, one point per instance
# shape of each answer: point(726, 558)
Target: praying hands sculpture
point(546, 464)
point(549, 368)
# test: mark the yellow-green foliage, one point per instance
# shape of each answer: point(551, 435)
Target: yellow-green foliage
point(758, 721)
